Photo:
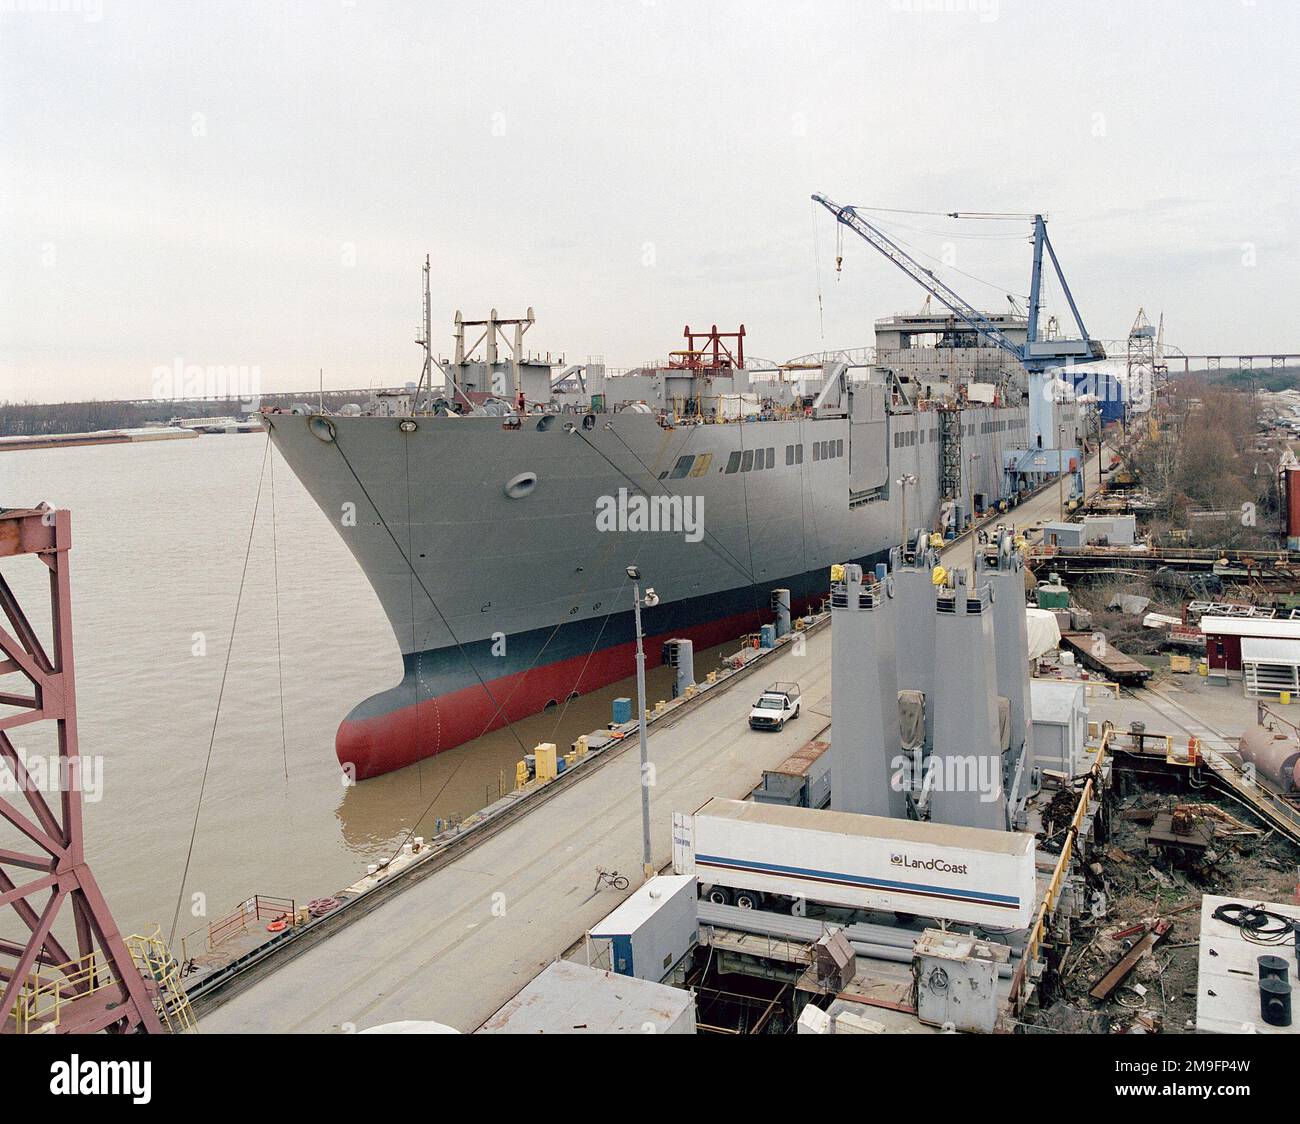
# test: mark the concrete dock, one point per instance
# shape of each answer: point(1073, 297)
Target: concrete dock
point(456, 945)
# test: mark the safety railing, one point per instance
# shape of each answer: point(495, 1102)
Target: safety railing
point(40, 1003)
point(258, 908)
point(1037, 932)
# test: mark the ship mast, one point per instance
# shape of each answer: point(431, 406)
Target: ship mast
point(425, 340)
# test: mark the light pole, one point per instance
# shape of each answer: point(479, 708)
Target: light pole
point(903, 482)
point(1099, 444)
point(1060, 470)
point(650, 600)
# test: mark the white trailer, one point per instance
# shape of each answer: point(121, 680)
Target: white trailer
point(755, 851)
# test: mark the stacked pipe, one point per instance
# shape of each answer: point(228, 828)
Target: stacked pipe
point(1274, 991)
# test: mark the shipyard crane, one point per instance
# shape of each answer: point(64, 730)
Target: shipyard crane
point(1045, 455)
point(1034, 354)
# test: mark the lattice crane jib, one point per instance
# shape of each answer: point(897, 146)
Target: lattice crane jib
point(48, 982)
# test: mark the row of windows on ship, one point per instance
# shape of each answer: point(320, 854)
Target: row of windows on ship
point(753, 460)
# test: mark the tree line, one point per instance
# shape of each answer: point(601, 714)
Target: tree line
point(29, 419)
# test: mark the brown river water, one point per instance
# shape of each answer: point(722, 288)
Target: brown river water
point(159, 531)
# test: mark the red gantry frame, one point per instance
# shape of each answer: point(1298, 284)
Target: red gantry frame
point(46, 986)
point(709, 351)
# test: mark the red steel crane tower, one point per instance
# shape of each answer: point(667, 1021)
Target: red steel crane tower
point(47, 892)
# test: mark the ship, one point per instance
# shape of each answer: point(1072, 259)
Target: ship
point(496, 516)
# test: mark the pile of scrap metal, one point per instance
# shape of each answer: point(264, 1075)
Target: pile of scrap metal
point(1188, 831)
point(1146, 937)
point(1181, 832)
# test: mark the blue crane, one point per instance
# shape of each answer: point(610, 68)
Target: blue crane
point(1042, 458)
point(1034, 354)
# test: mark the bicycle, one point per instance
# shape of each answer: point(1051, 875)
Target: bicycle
point(610, 878)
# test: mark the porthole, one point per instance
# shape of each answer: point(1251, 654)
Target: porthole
point(322, 428)
point(517, 487)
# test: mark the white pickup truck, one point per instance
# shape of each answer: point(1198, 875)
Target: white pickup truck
point(776, 706)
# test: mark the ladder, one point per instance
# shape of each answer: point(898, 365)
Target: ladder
point(156, 964)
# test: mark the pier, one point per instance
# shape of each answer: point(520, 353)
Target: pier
point(459, 942)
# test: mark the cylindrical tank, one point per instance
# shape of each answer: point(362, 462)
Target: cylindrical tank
point(680, 654)
point(1273, 967)
point(1274, 755)
point(781, 607)
point(1275, 1002)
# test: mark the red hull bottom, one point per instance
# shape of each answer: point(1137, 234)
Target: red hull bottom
point(369, 747)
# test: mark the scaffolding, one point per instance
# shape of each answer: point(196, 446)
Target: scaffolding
point(1141, 365)
point(44, 986)
point(950, 427)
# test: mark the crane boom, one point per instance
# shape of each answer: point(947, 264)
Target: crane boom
point(1035, 354)
point(922, 276)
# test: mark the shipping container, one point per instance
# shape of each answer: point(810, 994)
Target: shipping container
point(964, 874)
point(652, 930)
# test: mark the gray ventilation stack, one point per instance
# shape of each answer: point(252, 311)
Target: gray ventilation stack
point(865, 743)
point(1006, 578)
point(967, 787)
point(680, 656)
point(914, 594)
point(781, 611)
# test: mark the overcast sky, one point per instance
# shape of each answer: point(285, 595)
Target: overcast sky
point(257, 183)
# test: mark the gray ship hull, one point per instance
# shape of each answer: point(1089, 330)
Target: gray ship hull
point(489, 544)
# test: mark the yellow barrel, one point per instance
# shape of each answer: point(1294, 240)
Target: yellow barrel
point(1285, 698)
